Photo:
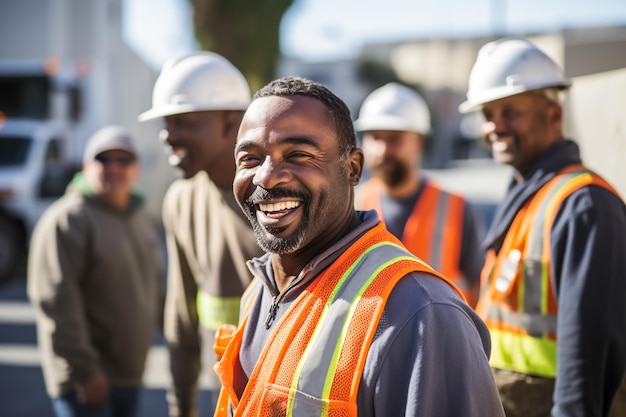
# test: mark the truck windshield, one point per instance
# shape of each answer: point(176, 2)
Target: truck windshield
point(13, 150)
point(25, 97)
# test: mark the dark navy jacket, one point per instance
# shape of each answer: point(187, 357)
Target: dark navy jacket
point(588, 243)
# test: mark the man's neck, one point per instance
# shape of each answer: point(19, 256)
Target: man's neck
point(281, 279)
point(118, 202)
point(222, 174)
point(287, 267)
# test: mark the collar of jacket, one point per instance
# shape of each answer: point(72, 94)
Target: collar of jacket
point(552, 161)
point(80, 184)
point(261, 267)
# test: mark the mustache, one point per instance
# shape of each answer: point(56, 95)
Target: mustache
point(262, 194)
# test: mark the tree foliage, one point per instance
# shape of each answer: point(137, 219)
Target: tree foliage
point(246, 32)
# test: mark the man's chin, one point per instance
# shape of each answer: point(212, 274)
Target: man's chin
point(277, 245)
point(185, 172)
point(504, 159)
point(271, 240)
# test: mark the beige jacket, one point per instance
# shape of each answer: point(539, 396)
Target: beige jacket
point(209, 240)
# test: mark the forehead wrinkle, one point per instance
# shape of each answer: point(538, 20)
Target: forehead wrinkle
point(247, 144)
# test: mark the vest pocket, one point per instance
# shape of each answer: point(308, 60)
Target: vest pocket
point(275, 402)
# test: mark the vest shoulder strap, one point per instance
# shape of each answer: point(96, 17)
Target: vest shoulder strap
point(551, 198)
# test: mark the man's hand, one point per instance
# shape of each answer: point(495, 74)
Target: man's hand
point(93, 391)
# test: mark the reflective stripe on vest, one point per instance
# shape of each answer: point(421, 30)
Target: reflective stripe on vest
point(313, 361)
point(433, 231)
point(317, 369)
point(215, 311)
point(519, 305)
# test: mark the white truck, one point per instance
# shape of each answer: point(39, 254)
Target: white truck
point(40, 107)
point(65, 72)
point(48, 109)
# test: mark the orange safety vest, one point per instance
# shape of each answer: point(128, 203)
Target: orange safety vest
point(313, 360)
point(433, 231)
point(518, 301)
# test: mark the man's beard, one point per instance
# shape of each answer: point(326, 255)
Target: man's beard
point(394, 176)
point(266, 237)
point(267, 241)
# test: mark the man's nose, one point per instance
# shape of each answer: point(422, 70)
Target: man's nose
point(487, 129)
point(380, 147)
point(164, 135)
point(270, 174)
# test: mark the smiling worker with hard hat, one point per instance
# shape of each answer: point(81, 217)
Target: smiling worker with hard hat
point(201, 97)
point(554, 279)
point(438, 226)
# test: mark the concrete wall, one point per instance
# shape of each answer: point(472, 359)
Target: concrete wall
point(596, 119)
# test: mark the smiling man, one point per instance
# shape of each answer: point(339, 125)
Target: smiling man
point(201, 98)
point(94, 278)
point(340, 318)
point(438, 226)
point(556, 246)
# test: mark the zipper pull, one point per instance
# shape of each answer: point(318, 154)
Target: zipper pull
point(272, 313)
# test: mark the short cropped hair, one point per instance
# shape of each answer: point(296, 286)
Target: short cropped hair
point(337, 109)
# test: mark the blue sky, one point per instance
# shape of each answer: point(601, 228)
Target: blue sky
point(319, 30)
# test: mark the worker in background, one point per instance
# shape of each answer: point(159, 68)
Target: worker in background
point(439, 227)
point(201, 97)
point(95, 274)
point(341, 319)
point(555, 276)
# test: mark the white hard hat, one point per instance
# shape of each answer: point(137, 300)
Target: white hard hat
point(507, 67)
point(196, 82)
point(394, 107)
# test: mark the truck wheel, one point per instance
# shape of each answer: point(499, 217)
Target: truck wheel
point(10, 248)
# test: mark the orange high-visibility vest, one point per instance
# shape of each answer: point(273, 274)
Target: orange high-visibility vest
point(312, 362)
point(433, 231)
point(518, 301)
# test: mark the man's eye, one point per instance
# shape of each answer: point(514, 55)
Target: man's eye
point(299, 155)
point(247, 160)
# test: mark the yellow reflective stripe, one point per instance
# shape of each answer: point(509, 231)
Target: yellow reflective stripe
point(307, 351)
point(523, 353)
point(332, 370)
point(331, 366)
point(215, 311)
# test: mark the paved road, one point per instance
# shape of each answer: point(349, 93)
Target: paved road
point(22, 392)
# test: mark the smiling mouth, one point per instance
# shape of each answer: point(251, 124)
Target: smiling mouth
point(278, 209)
point(176, 155)
point(500, 143)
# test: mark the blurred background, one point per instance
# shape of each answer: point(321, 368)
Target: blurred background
point(68, 67)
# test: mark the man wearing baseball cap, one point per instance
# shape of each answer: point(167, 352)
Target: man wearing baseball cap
point(94, 275)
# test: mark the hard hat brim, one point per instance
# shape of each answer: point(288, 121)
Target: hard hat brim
point(163, 111)
point(388, 123)
point(471, 105)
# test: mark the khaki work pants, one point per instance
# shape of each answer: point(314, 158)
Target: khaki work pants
point(618, 408)
point(524, 395)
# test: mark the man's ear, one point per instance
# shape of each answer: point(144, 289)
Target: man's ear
point(355, 166)
point(556, 113)
point(231, 123)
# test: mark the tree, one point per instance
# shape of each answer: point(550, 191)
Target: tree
point(246, 32)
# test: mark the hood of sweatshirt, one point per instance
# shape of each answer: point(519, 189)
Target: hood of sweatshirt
point(80, 184)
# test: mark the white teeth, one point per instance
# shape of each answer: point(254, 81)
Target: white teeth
point(173, 160)
point(500, 145)
point(283, 205)
point(176, 155)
